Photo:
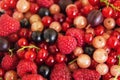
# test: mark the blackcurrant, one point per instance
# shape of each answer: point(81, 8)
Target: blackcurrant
point(36, 36)
point(44, 70)
point(4, 44)
point(43, 12)
point(24, 23)
point(50, 35)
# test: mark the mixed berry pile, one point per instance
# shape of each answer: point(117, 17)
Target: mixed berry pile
point(59, 39)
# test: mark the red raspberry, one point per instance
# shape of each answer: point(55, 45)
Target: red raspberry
point(86, 74)
point(66, 44)
point(32, 77)
point(45, 3)
point(9, 62)
point(78, 34)
point(26, 67)
point(8, 25)
point(60, 72)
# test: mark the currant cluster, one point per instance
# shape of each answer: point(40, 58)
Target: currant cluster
point(59, 39)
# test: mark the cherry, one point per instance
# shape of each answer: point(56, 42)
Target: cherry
point(30, 55)
point(59, 57)
point(72, 11)
point(99, 30)
point(22, 42)
point(65, 26)
point(46, 20)
point(112, 41)
point(50, 60)
point(107, 12)
point(34, 8)
point(88, 37)
point(42, 54)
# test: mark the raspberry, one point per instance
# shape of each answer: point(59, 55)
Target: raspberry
point(8, 25)
point(78, 34)
point(60, 72)
point(32, 77)
point(9, 62)
point(66, 44)
point(45, 3)
point(86, 74)
point(26, 67)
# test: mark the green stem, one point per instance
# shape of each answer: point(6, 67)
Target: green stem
point(118, 60)
point(72, 61)
point(31, 46)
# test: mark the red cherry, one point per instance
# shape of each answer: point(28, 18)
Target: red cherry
point(72, 11)
point(99, 30)
point(23, 32)
point(34, 8)
point(50, 61)
point(42, 54)
point(22, 42)
point(60, 57)
point(86, 9)
point(46, 20)
point(59, 17)
point(94, 2)
point(118, 21)
point(65, 26)
point(2, 72)
point(88, 37)
point(30, 55)
point(107, 76)
point(107, 12)
point(112, 42)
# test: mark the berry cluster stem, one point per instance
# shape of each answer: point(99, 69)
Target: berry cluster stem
point(111, 5)
point(31, 46)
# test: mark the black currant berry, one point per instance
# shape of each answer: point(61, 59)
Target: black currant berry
point(89, 49)
point(25, 23)
point(4, 44)
point(36, 36)
point(43, 12)
point(50, 35)
point(44, 70)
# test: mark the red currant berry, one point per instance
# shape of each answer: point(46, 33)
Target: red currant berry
point(78, 4)
point(118, 21)
point(94, 2)
point(13, 37)
point(21, 54)
point(46, 20)
point(53, 49)
point(111, 61)
point(88, 37)
point(107, 76)
point(59, 17)
point(60, 57)
point(112, 42)
point(30, 55)
point(107, 12)
point(2, 72)
point(22, 42)
point(50, 60)
point(72, 11)
point(42, 54)
point(99, 30)
point(116, 34)
point(23, 32)
point(34, 8)
point(65, 26)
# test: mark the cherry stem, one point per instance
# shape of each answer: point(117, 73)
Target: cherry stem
point(72, 61)
point(1, 78)
point(118, 60)
point(31, 46)
point(111, 5)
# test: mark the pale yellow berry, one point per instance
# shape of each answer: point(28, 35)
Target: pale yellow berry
point(18, 15)
point(34, 18)
point(77, 51)
point(54, 9)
